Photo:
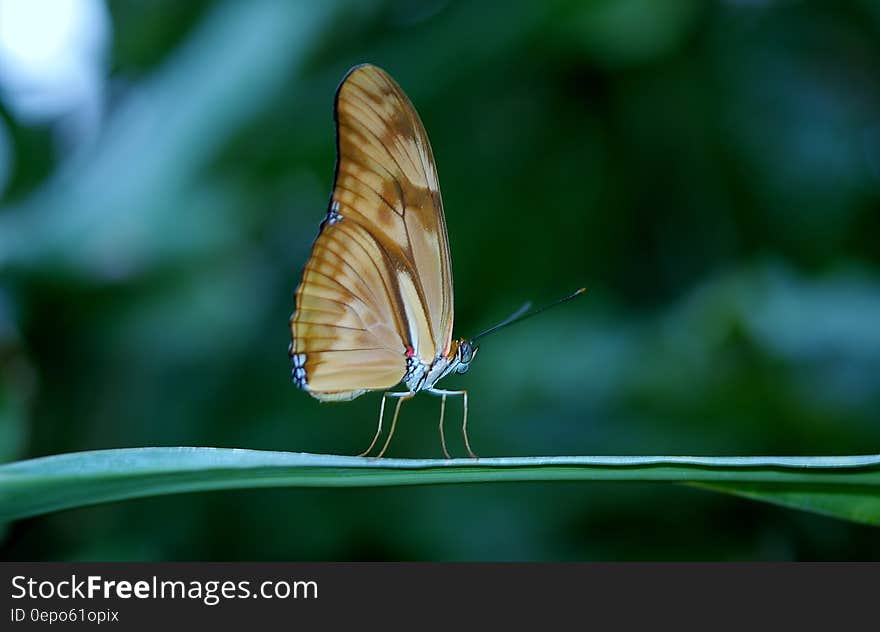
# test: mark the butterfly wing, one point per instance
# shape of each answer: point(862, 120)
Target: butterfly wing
point(379, 279)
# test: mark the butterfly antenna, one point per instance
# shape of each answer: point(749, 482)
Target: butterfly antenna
point(520, 314)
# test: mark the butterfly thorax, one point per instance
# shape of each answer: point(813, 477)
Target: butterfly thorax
point(421, 376)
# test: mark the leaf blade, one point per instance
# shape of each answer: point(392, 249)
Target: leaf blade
point(847, 487)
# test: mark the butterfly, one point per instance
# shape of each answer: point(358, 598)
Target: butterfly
point(374, 307)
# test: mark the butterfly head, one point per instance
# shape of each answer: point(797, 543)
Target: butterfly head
point(464, 355)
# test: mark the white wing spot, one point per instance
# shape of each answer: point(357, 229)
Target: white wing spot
point(299, 371)
point(333, 216)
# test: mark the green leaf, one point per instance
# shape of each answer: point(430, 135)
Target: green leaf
point(847, 487)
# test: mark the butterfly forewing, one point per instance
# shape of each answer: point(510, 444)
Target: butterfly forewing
point(379, 279)
point(386, 169)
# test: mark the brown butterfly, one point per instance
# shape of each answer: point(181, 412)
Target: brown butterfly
point(375, 307)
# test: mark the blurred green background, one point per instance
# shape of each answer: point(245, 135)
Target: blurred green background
point(710, 171)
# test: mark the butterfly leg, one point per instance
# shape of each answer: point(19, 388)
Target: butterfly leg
point(442, 437)
point(401, 397)
point(443, 393)
point(467, 444)
point(378, 428)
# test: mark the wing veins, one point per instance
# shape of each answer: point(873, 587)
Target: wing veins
point(327, 276)
point(404, 106)
point(366, 167)
point(369, 105)
point(309, 322)
point(352, 349)
point(381, 248)
point(331, 300)
point(381, 146)
point(379, 195)
point(336, 241)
